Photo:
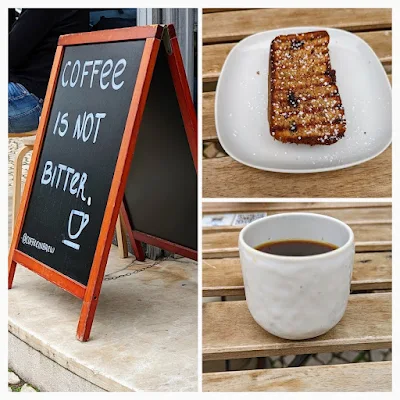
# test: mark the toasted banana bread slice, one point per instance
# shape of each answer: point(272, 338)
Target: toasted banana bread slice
point(304, 101)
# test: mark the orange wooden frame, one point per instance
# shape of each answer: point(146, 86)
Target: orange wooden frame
point(90, 293)
point(183, 93)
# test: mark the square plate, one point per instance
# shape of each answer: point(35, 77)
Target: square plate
point(241, 106)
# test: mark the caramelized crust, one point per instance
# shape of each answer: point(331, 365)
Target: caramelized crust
point(304, 102)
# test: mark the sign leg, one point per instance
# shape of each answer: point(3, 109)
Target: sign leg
point(11, 272)
point(86, 319)
point(136, 245)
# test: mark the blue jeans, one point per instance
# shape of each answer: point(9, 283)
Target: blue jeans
point(24, 109)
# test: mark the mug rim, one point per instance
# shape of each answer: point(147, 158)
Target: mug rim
point(332, 253)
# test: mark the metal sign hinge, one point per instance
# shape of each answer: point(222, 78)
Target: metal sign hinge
point(167, 40)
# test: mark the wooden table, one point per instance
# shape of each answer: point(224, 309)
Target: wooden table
point(225, 177)
point(229, 331)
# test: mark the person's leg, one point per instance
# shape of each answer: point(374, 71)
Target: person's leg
point(24, 109)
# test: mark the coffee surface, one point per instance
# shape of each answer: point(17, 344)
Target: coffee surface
point(296, 247)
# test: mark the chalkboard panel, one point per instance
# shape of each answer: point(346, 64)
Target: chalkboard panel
point(161, 192)
point(62, 222)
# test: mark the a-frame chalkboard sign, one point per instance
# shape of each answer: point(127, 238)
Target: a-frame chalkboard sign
point(118, 115)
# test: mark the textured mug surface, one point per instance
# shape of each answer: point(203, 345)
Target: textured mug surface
point(297, 297)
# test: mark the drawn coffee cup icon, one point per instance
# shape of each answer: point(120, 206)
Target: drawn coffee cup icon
point(84, 221)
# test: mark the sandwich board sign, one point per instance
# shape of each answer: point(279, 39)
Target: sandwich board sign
point(116, 100)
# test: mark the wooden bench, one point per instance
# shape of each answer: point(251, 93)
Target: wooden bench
point(223, 176)
point(365, 377)
point(230, 332)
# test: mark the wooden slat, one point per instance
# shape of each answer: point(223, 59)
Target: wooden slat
point(230, 332)
point(209, 130)
point(214, 55)
point(357, 377)
point(372, 225)
point(223, 277)
point(225, 177)
point(222, 242)
point(215, 10)
point(238, 207)
point(349, 215)
point(220, 27)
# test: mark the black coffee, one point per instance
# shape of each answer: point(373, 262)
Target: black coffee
point(294, 247)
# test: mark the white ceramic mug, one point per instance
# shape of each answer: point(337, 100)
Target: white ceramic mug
point(297, 297)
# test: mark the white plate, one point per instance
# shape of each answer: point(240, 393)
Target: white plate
point(242, 102)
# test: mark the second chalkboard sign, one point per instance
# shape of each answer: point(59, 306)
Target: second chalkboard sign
point(90, 127)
